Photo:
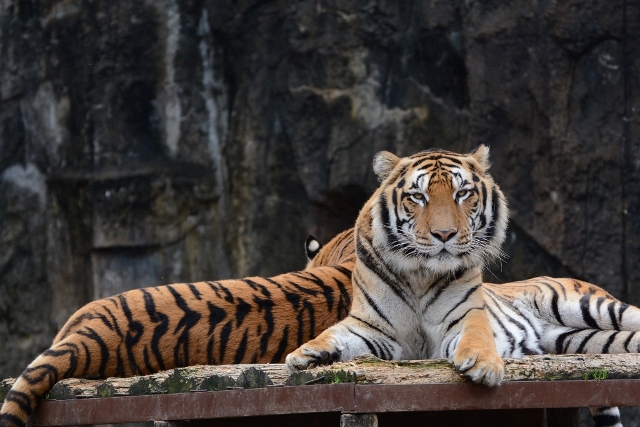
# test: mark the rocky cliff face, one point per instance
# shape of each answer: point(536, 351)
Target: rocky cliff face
point(160, 141)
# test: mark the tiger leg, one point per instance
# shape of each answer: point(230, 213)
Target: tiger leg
point(575, 304)
point(592, 341)
point(343, 341)
point(561, 340)
point(475, 354)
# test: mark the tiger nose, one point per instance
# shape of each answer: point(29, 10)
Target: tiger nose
point(444, 235)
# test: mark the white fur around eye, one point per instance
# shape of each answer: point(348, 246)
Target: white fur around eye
point(419, 198)
point(462, 194)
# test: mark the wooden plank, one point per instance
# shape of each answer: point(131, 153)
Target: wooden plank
point(366, 370)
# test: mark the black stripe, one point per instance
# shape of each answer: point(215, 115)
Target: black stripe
point(258, 287)
point(368, 343)
point(115, 320)
point(12, 419)
point(242, 348)
point(464, 298)
point(21, 399)
point(502, 302)
point(612, 337)
point(585, 305)
point(242, 309)
point(161, 328)
point(224, 339)
point(87, 361)
point(456, 321)
point(147, 360)
point(628, 340)
point(266, 305)
point(584, 342)
point(48, 371)
point(483, 215)
point(292, 297)
point(347, 272)
point(68, 326)
point(392, 239)
point(194, 291)
point(560, 348)
point(372, 326)
point(119, 363)
point(507, 332)
point(371, 302)
point(495, 207)
point(282, 346)
point(438, 287)
point(104, 320)
point(104, 350)
point(216, 316)
point(188, 321)
point(623, 308)
point(327, 291)
point(344, 301)
point(611, 309)
point(72, 352)
point(554, 303)
point(134, 332)
point(374, 262)
point(306, 306)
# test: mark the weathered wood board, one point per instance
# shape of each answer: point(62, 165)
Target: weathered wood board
point(368, 370)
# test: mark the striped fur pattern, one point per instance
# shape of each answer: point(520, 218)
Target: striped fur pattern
point(421, 242)
point(253, 320)
point(548, 315)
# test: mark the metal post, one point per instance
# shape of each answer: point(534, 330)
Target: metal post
point(358, 420)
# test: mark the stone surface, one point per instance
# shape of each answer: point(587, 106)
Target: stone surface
point(151, 142)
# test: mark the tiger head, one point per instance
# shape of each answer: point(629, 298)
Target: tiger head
point(436, 210)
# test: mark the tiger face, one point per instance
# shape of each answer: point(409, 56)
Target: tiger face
point(438, 210)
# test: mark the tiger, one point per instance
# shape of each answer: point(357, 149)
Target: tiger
point(142, 331)
point(404, 307)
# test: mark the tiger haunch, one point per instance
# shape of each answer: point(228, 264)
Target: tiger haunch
point(421, 242)
point(253, 320)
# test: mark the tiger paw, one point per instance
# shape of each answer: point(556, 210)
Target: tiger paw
point(480, 367)
point(311, 355)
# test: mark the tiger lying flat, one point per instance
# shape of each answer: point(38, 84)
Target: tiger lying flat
point(541, 315)
point(254, 320)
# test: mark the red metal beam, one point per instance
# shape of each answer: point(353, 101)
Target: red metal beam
point(195, 406)
point(510, 395)
point(339, 398)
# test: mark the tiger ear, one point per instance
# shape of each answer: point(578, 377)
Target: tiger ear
point(383, 164)
point(481, 154)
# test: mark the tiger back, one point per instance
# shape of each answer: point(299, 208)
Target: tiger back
point(142, 331)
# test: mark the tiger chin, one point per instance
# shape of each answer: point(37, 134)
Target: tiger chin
point(422, 241)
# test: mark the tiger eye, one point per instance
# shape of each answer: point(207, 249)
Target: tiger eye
point(462, 193)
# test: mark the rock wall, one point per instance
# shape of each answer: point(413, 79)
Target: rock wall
point(178, 140)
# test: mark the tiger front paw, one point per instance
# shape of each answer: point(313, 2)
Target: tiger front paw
point(480, 367)
point(312, 354)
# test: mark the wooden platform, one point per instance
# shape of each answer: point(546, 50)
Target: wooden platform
point(537, 391)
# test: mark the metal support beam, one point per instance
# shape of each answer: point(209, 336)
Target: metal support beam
point(358, 420)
